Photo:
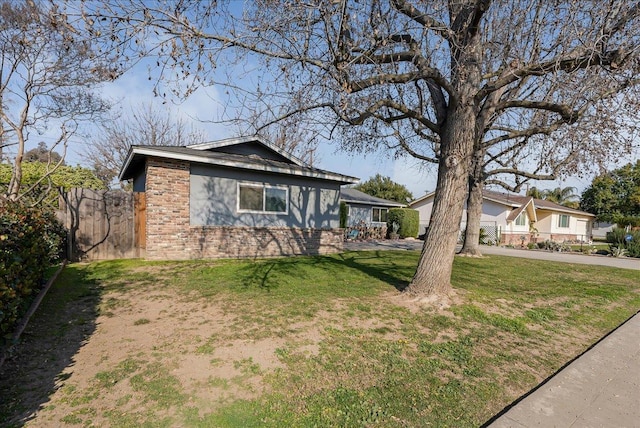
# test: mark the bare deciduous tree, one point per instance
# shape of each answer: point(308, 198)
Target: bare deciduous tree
point(143, 125)
point(434, 80)
point(599, 130)
point(48, 70)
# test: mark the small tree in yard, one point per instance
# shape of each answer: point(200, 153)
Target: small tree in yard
point(48, 70)
point(437, 80)
point(143, 125)
point(615, 194)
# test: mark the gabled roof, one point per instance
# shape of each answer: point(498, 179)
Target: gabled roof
point(518, 210)
point(514, 200)
point(539, 204)
point(421, 198)
point(543, 204)
point(137, 155)
point(508, 199)
point(227, 142)
point(357, 197)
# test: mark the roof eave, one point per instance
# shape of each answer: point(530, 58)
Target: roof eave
point(146, 151)
point(421, 198)
point(374, 203)
point(568, 211)
point(125, 167)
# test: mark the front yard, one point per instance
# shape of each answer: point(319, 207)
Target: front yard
point(307, 341)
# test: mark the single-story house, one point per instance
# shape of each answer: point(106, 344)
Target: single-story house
point(601, 228)
point(518, 219)
point(238, 197)
point(366, 209)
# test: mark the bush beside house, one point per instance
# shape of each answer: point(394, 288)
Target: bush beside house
point(408, 222)
point(344, 215)
point(627, 243)
point(31, 240)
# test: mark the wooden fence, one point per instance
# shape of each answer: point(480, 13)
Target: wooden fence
point(101, 224)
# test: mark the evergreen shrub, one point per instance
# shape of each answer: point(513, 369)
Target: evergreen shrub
point(408, 219)
point(31, 241)
point(617, 240)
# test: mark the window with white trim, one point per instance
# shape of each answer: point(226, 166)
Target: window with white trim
point(521, 220)
point(379, 215)
point(260, 198)
point(563, 220)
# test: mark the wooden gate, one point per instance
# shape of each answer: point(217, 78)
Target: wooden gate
point(100, 224)
point(140, 218)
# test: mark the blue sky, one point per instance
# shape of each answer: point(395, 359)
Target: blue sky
point(134, 89)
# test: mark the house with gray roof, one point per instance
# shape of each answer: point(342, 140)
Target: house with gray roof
point(517, 219)
point(237, 197)
point(366, 209)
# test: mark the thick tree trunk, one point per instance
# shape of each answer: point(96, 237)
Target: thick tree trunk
point(471, 247)
point(458, 135)
point(433, 275)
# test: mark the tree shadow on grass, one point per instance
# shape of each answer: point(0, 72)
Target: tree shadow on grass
point(380, 265)
point(36, 367)
point(384, 266)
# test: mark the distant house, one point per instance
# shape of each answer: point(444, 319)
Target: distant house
point(517, 219)
point(238, 197)
point(601, 228)
point(366, 209)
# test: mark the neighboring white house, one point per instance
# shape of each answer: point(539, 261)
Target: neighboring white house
point(515, 219)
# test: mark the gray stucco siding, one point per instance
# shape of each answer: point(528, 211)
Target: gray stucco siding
point(359, 213)
point(214, 199)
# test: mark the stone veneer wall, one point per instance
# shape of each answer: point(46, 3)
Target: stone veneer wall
point(170, 236)
point(243, 242)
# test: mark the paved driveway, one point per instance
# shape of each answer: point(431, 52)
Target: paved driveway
point(414, 244)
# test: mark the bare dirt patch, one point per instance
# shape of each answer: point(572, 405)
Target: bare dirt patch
point(135, 332)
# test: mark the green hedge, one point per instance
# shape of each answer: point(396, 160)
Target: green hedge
point(344, 214)
point(408, 219)
point(617, 239)
point(31, 241)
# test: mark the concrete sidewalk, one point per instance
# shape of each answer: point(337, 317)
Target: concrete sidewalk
point(600, 388)
point(619, 262)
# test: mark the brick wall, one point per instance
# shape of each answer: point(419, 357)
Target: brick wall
point(167, 189)
point(170, 236)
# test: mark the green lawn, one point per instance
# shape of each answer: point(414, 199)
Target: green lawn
point(589, 248)
point(350, 351)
